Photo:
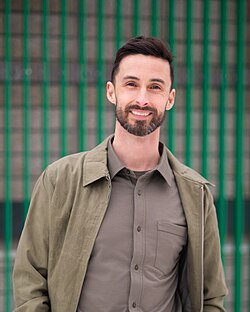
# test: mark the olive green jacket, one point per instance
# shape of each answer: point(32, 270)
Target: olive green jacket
point(66, 210)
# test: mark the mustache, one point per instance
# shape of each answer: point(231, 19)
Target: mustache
point(135, 106)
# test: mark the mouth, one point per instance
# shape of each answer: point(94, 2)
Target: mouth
point(140, 113)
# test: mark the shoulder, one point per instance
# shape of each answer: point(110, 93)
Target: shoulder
point(186, 172)
point(79, 164)
point(69, 164)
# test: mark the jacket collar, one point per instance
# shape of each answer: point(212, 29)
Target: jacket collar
point(186, 172)
point(95, 166)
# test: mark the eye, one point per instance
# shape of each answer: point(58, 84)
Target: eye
point(155, 87)
point(131, 84)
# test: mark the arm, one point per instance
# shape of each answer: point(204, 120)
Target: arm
point(214, 280)
point(30, 269)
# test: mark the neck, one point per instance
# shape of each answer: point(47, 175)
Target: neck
point(137, 153)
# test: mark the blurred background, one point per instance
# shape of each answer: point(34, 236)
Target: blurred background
point(55, 57)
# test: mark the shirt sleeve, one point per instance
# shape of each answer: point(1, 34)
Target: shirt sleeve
point(214, 281)
point(31, 263)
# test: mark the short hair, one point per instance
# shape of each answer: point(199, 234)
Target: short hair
point(146, 46)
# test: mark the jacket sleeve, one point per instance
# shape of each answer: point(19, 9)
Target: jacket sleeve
point(30, 268)
point(214, 281)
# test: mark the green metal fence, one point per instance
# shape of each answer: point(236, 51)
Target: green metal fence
point(7, 159)
point(55, 57)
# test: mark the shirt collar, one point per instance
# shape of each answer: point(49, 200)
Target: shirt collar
point(163, 166)
point(115, 164)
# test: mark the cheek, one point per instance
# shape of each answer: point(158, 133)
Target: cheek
point(159, 101)
point(125, 97)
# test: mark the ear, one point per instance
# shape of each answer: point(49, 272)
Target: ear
point(110, 92)
point(171, 98)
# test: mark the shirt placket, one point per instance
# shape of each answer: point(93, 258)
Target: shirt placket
point(136, 268)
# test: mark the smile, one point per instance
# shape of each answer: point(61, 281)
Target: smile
point(141, 113)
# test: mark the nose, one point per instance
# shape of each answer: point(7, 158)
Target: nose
point(142, 97)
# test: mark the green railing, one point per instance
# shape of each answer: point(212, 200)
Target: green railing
point(239, 132)
point(207, 128)
point(100, 43)
point(205, 89)
point(7, 160)
point(83, 90)
point(45, 101)
point(64, 78)
point(222, 214)
point(189, 84)
point(170, 25)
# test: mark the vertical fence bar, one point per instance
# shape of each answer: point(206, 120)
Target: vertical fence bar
point(45, 84)
point(155, 18)
point(26, 108)
point(189, 84)
point(64, 95)
point(136, 22)
point(7, 160)
point(119, 29)
point(222, 208)
point(205, 88)
point(100, 71)
point(119, 25)
point(83, 95)
point(239, 131)
point(171, 38)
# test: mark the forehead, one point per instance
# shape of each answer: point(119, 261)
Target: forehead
point(144, 67)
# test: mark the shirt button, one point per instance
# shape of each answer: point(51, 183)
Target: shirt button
point(134, 305)
point(138, 228)
point(136, 267)
point(139, 192)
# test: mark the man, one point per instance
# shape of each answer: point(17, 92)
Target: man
point(125, 226)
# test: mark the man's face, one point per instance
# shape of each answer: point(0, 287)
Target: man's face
point(142, 94)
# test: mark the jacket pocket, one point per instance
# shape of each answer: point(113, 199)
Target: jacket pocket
point(171, 239)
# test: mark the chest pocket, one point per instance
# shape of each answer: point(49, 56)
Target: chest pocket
point(171, 239)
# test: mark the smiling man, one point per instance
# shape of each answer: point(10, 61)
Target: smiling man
point(125, 226)
point(143, 83)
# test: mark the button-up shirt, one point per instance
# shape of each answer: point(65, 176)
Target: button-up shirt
point(134, 262)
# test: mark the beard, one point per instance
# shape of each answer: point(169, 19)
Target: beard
point(139, 127)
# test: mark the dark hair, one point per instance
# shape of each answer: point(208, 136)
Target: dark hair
point(146, 46)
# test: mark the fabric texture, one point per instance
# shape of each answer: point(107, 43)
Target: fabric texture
point(138, 246)
point(68, 205)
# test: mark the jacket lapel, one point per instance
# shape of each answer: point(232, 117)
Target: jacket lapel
point(191, 198)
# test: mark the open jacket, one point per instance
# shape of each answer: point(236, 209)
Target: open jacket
point(66, 211)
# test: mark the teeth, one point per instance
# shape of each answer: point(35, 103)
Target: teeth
point(140, 113)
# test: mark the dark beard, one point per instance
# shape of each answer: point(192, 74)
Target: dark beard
point(140, 128)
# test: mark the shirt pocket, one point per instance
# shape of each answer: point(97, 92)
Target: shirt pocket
point(170, 241)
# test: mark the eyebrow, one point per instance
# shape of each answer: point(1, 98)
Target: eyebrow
point(151, 80)
point(131, 77)
point(158, 80)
